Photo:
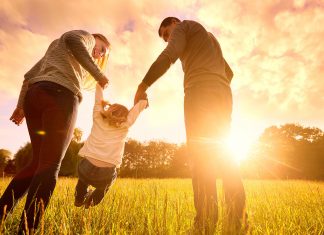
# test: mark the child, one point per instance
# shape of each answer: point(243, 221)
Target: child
point(103, 150)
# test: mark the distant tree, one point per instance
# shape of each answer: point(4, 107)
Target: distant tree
point(179, 164)
point(77, 135)
point(4, 158)
point(71, 158)
point(23, 156)
point(291, 133)
point(132, 159)
point(68, 166)
point(289, 151)
point(151, 159)
point(10, 168)
point(158, 155)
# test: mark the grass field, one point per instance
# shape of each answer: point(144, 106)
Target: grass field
point(165, 206)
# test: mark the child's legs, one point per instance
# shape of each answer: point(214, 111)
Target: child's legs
point(84, 170)
point(97, 196)
point(103, 187)
point(81, 190)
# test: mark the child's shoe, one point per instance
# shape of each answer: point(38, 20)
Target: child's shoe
point(88, 201)
point(78, 201)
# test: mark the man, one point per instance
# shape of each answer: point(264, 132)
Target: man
point(207, 109)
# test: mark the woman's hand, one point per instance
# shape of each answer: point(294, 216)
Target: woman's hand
point(18, 116)
point(103, 82)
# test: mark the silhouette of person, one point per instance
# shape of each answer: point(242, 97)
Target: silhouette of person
point(207, 111)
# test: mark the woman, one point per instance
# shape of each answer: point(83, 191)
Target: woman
point(49, 99)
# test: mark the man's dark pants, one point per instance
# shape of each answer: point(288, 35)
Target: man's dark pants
point(208, 109)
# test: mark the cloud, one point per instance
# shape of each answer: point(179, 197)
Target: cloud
point(276, 52)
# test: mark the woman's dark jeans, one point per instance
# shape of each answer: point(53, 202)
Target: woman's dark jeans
point(99, 177)
point(50, 111)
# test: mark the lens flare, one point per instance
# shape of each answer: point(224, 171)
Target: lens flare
point(40, 132)
point(239, 145)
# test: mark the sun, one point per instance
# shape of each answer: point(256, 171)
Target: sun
point(239, 144)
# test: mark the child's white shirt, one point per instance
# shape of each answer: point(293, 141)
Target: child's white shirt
point(106, 143)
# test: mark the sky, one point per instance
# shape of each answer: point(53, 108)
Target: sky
point(275, 49)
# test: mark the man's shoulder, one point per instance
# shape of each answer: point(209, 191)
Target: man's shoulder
point(191, 22)
point(191, 25)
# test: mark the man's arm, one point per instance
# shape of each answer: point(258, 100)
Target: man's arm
point(141, 89)
point(228, 71)
point(157, 69)
point(171, 53)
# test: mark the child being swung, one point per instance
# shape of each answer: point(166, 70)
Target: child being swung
point(103, 150)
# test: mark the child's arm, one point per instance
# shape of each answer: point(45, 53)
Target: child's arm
point(98, 98)
point(135, 111)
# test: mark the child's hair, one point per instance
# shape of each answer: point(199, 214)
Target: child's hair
point(115, 114)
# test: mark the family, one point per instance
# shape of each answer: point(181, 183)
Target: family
point(49, 100)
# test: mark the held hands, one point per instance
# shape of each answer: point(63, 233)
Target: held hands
point(18, 116)
point(105, 103)
point(141, 93)
point(144, 97)
point(103, 82)
point(147, 104)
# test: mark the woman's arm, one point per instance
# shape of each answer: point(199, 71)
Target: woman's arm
point(31, 73)
point(18, 114)
point(75, 41)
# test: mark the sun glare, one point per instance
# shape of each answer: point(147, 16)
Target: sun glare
point(239, 145)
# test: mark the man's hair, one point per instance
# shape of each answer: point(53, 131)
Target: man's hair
point(166, 22)
point(102, 38)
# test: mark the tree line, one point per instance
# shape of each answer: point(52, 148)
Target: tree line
point(290, 151)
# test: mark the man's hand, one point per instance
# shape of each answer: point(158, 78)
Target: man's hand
point(140, 93)
point(103, 82)
point(18, 116)
point(144, 97)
